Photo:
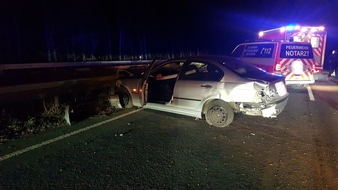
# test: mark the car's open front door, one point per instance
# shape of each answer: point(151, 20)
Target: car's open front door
point(143, 85)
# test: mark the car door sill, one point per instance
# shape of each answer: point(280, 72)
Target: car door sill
point(173, 109)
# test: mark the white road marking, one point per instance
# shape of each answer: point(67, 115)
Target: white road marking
point(16, 153)
point(311, 96)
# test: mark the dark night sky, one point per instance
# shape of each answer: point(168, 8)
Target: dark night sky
point(28, 28)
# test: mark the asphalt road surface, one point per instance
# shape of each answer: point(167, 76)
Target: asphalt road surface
point(155, 150)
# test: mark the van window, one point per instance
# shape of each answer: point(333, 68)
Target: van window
point(238, 51)
point(259, 50)
point(299, 51)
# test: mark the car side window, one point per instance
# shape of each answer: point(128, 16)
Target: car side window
point(198, 71)
point(214, 73)
point(167, 71)
point(191, 71)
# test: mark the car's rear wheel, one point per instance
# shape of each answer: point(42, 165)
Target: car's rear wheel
point(219, 113)
point(125, 98)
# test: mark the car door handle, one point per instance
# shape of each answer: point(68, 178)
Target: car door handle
point(206, 86)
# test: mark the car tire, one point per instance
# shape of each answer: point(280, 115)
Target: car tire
point(125, 98)
point(219, 114)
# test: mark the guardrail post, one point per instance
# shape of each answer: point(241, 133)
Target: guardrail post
point(66, 116)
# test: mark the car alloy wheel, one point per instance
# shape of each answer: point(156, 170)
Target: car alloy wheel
point(219, 114)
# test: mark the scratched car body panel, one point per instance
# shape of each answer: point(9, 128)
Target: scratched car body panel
point(212, 88)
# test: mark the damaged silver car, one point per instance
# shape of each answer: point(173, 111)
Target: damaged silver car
point(211, 88)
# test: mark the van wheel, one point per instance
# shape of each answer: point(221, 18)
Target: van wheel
point(125, 98)
point(219, 114)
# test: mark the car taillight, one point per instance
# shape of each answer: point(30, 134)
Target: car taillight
point(280, 88)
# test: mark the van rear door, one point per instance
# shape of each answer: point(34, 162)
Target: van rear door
point(295, 62)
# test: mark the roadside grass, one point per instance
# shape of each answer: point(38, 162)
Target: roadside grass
point(15, 126)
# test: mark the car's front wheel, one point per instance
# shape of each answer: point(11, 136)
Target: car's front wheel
point(219, 113)
point(125, 98)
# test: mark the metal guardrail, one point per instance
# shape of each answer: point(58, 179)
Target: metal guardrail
point(70, 64)
point(29, 74)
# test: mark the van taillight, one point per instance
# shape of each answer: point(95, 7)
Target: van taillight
point(313, 67)
point(278, 67)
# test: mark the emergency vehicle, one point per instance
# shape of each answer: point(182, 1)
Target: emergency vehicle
point(293, 60)
point(316, 35)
